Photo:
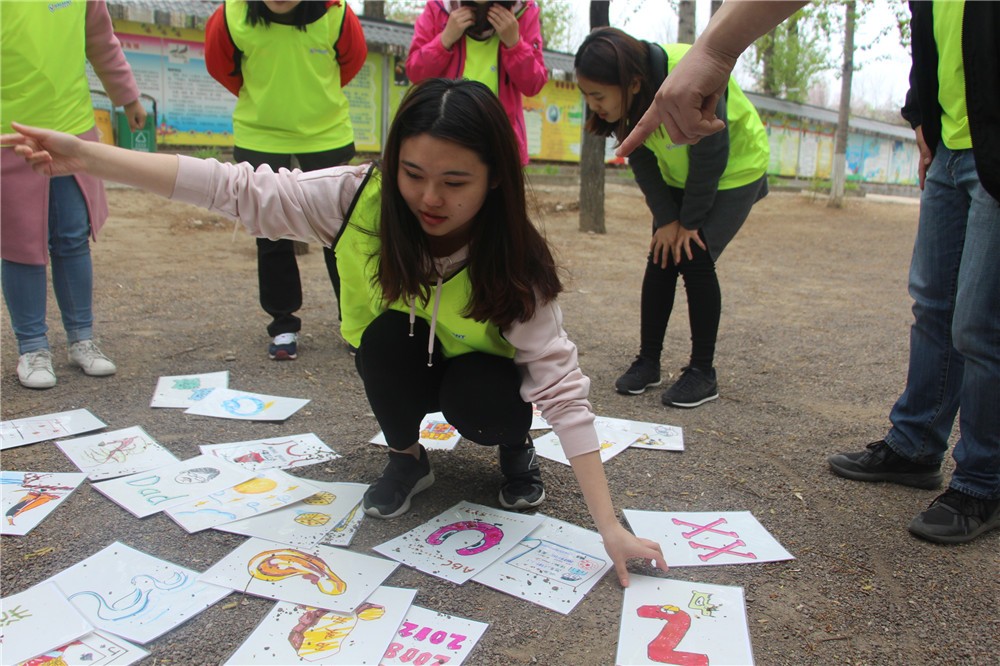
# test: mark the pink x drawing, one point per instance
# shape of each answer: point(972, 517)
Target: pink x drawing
point(716, 551)
point(704, 528)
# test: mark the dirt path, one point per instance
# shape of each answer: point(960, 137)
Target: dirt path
point(811, 355)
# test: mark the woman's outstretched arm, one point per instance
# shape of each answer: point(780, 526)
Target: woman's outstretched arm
point(621, 544)
point(57, 154)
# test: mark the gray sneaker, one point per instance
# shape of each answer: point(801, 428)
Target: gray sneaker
point(954, 517)
point(878, 462)
point(694, 387)
point(88, 356)
point(34, 370)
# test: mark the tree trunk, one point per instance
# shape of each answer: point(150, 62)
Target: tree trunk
point(373, 9)
point(839, 175)
point(686, 21)
point(592, 154)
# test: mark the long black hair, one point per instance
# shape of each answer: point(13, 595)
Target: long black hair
point(510, 265)
point(611, 57)
point(303, 14)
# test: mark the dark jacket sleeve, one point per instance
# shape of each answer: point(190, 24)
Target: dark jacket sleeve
point(911, 106)
point(221, 55)
point(649, 179)
point(707, 161)
point(350, 47)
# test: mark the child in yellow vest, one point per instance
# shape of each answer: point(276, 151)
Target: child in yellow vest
point(699, 196)
point(449, 290)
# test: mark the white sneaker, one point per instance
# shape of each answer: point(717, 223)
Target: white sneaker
point(34, 370)
point(89, 357)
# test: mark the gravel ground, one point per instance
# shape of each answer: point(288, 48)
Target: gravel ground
point(812, 353)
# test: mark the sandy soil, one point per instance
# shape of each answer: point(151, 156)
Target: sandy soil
point(811, 355)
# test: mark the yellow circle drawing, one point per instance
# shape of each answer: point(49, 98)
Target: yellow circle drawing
point(320, 498)
point(312, 519)
point(256, 486)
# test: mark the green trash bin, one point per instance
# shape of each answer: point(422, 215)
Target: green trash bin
point(143, 140)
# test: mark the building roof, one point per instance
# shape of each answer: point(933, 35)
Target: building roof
point(829, 116)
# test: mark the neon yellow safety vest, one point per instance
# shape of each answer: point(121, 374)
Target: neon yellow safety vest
point(748, 148)
point(361, 298)
point(291, 100)
point(955, 131)
point(482, 62)
point(43, 75)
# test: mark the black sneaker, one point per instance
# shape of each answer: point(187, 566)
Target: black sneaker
point(694, 387)
point(642, 374)
point(403, 477)
point(878, 462)
point(954, 517)
point(522, 487)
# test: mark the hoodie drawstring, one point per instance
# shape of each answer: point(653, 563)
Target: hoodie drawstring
point(434, 318)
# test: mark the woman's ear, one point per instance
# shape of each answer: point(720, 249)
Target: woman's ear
point(635, 85)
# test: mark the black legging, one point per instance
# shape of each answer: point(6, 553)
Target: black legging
point(277, 268)
point(478, 393)
point(704, 306)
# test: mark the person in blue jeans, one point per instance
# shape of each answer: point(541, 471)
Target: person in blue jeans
point(954, 366)
point(51, 221)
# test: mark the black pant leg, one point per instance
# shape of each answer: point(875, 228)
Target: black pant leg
point(704, 296)
point(659, 287)
point(481, 397)
point(401, 388)
point(278, 281)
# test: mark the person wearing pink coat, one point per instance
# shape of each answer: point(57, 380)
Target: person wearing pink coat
point(498, 44)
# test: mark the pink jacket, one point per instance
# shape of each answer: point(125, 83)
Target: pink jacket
point(312, 207)
point(522, 68)
point(24, 195)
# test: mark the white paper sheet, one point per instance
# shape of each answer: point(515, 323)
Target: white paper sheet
point(460, 542)
point(98, 648)
point(616, 435)
point(183, 391)
point(28, 498)
point(134, 595)
point(116, 453)
point(554, 566)
point(292, 634)
point(269, 490)
point(275, 452)
point(149, 492)
point(325, 515)
point(29, 430)
point(678, 622)
point(696, 539)
point(323, 577)
point(224, 403)
point(36, 620)
point(428, 637)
